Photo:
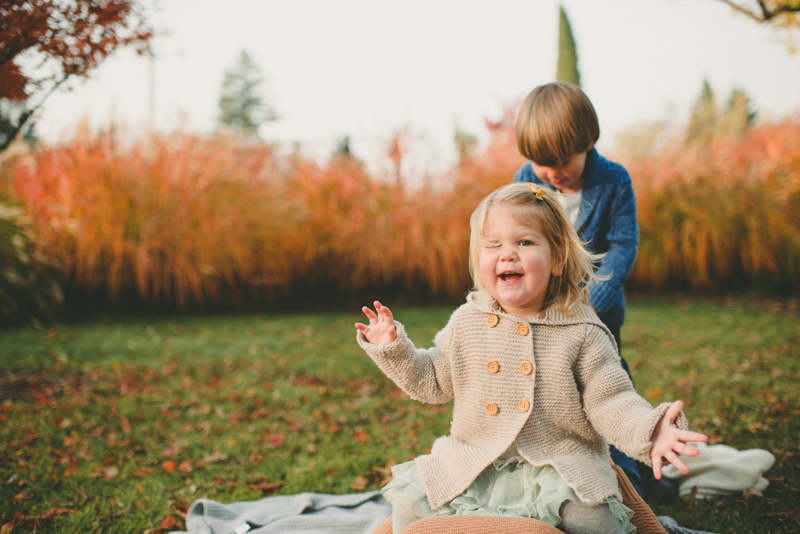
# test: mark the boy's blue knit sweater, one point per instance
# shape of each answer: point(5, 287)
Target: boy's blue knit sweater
point(607, 223)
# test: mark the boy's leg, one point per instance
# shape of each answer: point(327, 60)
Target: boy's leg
point(584, 519)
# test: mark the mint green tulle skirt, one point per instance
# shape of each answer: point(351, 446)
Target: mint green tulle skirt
point(509, 487)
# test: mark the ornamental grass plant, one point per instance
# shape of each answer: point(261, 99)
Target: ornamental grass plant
point(721, 216)
point(188, 220)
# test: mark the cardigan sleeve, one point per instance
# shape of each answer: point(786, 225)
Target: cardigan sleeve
point(622, 237)
point(424, 374)
point(612, 405)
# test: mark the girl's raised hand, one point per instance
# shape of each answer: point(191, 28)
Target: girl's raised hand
point(381, 328)
point(669, 441)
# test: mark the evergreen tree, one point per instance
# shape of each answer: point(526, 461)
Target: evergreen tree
point(240, 107)
point(708, 121)
point(567, 70)
point(738, 117)
point(703, 121)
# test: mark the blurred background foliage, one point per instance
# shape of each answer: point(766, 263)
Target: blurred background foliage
point(184, 221)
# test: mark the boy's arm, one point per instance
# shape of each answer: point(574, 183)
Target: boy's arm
point(623, 240)
point(424, 374)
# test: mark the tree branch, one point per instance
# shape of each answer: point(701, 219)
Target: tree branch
point(28, 114)
point(766, 14)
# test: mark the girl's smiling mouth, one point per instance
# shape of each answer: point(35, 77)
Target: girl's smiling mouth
point(510, 276)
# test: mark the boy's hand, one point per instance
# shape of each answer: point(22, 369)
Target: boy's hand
point(381, 328)
point(669, 441)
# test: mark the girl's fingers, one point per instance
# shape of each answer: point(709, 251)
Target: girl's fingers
point(384, 313)
point(679, 465)
point(687, 435)
point(688, 450)
point(673, 411)
point(370, 315)
point(657, 467)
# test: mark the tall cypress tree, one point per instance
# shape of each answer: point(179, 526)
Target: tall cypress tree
point(567, 70)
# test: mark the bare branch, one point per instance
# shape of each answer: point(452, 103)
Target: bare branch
point(766, 13)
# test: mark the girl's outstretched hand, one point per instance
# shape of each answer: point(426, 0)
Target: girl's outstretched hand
point(669, 441)
point(381, 328)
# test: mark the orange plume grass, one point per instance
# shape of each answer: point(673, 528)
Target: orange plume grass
point(188, 219)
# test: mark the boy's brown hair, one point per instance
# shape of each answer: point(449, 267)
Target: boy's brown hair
point(556, 121)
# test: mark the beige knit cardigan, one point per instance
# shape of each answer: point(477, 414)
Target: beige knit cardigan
point(576, 390)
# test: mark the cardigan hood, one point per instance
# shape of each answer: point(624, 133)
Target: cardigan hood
point(552, 386)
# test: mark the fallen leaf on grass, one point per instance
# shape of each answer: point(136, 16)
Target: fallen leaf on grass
point(692, 498)
point(185, 467)
point(51, 513)
point(169, 466)
point(142, 472)
point(6, 529)
point(265, 486)
point(217, 456)
point(170, 523)
point(181, 508)
point(385, 473)
point(776, 480)
point(750, 493)
point(359, 483)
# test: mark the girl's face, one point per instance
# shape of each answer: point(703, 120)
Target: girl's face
point(516, 263)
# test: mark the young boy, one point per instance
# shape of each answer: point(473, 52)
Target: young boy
point(557, 128)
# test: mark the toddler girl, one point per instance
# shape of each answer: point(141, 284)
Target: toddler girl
point(537, 386)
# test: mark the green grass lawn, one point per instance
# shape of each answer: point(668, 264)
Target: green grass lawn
point(117, 425)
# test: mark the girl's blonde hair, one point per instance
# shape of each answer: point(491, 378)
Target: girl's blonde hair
point(555, 122)
point(527, 207)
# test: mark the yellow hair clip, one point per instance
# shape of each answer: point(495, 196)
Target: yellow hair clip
point(540, 192)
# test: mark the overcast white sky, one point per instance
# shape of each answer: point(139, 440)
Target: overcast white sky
point(366, 68)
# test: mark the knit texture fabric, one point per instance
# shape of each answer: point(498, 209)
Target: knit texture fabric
point(721, 470)
point(574, 394)
point(356, 513)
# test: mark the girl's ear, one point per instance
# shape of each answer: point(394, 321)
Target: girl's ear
point(558, 267)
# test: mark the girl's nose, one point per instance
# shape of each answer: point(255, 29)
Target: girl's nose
point(508, 253)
